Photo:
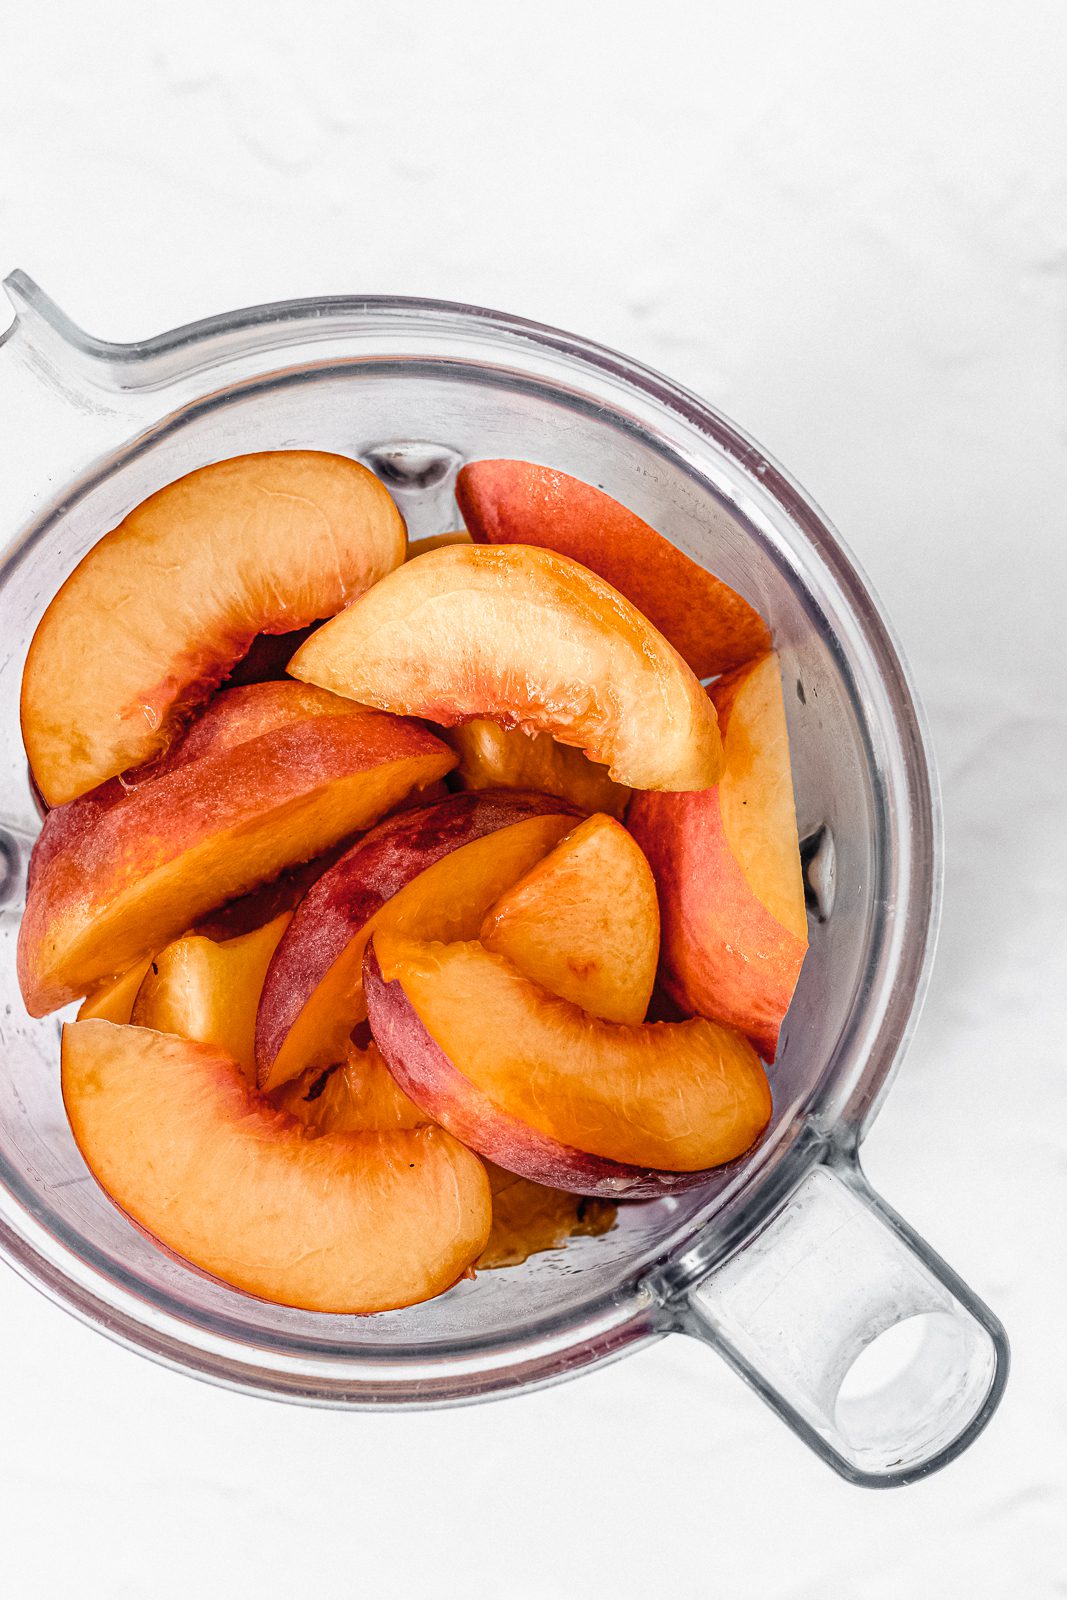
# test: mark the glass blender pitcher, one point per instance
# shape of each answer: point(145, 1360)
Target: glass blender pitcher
point(786, 1263)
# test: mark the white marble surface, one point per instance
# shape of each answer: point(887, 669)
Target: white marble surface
point(846, 224)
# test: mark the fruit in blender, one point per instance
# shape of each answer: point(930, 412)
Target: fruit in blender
point(529, 639)
point(727, 866)
point(160, 609)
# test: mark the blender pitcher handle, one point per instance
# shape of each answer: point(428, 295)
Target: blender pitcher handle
point(848, 1325)
point(59, 397)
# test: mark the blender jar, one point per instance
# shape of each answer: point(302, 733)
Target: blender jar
point(862, 1339)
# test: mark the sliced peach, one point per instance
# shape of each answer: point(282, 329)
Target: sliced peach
point(121, 872)
point(313, 993)
point(528, 639)
point(434, 541)
point(209, 991)
point(160, 609)
point(584, 922)
point(528, 1218)
point(357, 1095)
point(727, 866)
point(451, 899)
point(542, 1088)
point(350, 1222)
point(112, 1000)
point(492, 757)
point(516, 502)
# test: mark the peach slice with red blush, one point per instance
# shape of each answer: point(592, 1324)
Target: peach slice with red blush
point(269, 776)
point(550, 1092)
point(528, 639)
point(727, 867)
point(516, 502)
point(163, 606)
point(584, 922)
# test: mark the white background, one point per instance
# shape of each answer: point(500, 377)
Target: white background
point(847, 225)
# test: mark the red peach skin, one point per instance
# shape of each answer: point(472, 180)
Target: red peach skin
point(516, 502)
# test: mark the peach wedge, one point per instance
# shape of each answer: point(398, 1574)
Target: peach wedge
point(312, 996)
point(727, 867)
point(540, 1087)
point(208, 990)
point(584, 922)
point(350, 1222)
point(516, 502)
point(269, 776)
point(528, 639)
point(160, 609)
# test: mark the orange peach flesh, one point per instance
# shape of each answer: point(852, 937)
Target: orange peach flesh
point(517, 502)
point(528, 639)
point(160, 609)
point(112, 1001)
point(680, 1097)
point(492, 757)
point(727, 868)
point(756, 791)
point(119, 873)
point(313, 993)
point(349, 1222)
point(209, 991)
point(584, 922)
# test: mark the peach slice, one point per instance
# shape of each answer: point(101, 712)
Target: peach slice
point(266, 778)
point(584, 922)
point(313, 995)
point(528, 639)
point(209, 991)
point(361, 1094)
point(727, 866)
point(528, 1218)
point(516, 502)
point(350, 1222)
point(358, 1095)
point(112, 1000)
point(542, 1088)
point(160, 609)
point(492, 757)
